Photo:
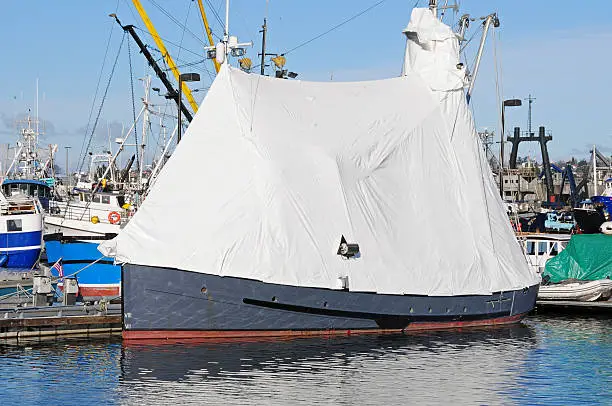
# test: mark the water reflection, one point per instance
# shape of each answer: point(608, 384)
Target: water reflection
point(465, 366)
point(547, 360)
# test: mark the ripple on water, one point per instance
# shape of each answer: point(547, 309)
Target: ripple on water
point(544, 361)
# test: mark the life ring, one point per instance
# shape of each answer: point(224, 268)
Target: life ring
point(114, 217)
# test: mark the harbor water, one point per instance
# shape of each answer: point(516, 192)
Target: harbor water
point(545, 360)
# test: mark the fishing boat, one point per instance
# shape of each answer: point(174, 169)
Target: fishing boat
point(20, 231)
point(314, 207)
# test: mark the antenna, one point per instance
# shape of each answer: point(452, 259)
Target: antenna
point(530, 100)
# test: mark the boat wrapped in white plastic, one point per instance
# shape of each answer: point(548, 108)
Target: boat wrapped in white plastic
point(287, 170)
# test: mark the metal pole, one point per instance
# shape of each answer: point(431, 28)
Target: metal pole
point(180, 100)
point(67, 170)
point(263, 47)
point(501, 153)
point(594, 173)
point(485, 30)
point(226, 36)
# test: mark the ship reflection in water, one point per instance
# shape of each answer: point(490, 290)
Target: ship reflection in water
point(543, 361)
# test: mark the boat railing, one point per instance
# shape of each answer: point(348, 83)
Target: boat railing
point(94, 215)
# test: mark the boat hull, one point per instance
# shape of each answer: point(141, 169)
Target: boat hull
point(588, 220)
point(20, 249)
point(101, 278)
point(162, 303)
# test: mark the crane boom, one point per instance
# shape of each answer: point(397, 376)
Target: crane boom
point(208, 32)
point(172, 94)
point(165, 53)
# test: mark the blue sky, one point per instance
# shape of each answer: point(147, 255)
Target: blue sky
point(557, 52)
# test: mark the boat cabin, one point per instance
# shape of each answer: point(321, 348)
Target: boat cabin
point(539, 248)
point(28, 187)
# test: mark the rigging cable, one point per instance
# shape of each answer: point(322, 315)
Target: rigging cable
point(93, 102)
point(335, 27)
point(95, 125)
point(177, 22)
point(133, 107)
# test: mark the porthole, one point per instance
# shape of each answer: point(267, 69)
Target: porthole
point(203, 290)
point(324, 304)
point(411, 310)
point(429, 310)
point(465, 309)
point(274, 299)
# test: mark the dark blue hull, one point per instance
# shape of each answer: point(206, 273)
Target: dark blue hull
point(170, 303)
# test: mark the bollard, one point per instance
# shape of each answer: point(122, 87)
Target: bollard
point(71, 290)
point(41, 290)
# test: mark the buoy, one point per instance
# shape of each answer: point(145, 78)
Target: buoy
point(114, 217)
point(95, 219)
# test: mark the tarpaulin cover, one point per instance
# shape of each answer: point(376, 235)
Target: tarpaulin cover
point(272, 173)
point(587, 257)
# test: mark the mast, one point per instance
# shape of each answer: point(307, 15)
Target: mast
point(145, 124)
point(208, 31)
point(491, 18)
point(264, 30)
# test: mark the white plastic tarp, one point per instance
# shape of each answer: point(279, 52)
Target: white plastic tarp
point(271, 173)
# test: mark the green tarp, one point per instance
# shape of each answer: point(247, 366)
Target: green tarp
point(587, 257)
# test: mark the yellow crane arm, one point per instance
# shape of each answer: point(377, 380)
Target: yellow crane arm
point(208, 32)
point(165, 53)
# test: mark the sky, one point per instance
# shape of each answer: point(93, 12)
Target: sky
point(554, 51)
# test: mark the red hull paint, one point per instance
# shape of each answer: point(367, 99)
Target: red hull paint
point(99, 292)
point(159, 336)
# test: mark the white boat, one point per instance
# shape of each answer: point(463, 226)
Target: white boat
point(585, 291)
point(87, 215)
point(540, 247)
point(314, 209)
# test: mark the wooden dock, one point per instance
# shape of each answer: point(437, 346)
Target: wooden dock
point(52, 322)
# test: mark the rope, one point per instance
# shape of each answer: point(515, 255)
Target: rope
point(93, 130)
point(52, 280)
point(133, 106)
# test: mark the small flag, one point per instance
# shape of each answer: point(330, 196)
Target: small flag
point(59, 268)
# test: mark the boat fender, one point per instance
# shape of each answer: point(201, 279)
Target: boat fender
point(606, 227)
point(95, 219)
point(114, 217)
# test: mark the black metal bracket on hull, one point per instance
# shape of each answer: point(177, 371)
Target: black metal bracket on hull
point(384, 321)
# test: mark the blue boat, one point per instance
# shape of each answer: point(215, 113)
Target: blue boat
point(20, 232)
point(97, 275)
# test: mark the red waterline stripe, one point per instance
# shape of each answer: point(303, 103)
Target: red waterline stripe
point(159, 336)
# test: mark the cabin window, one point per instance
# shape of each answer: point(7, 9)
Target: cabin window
point(13, 225)
point(96, 199)
point(23, 188)
point(542, 248)
point(106, 199)
point(530, 248)
point(87, 197)
point(554, 250)
point(120, 200)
